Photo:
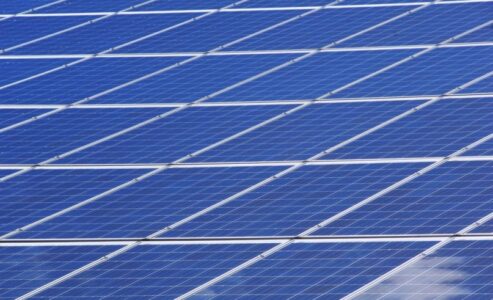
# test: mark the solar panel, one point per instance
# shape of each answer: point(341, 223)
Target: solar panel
point(246, 149)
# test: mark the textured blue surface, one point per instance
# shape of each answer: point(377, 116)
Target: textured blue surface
point(283, 3)
point(163, 272)
point(195, 80)
point(62, 132)
point(295, 202)
point(319, 29)
point(11, 116)
point(69, 6)
point(459, 270)
point(306, 132)
point(314, 76)
point(436, 72)
point(430, 25)
point(437, 130)
point(82, 80)
point(189, 4)
point(152, 204)
point(104, 34)
point(483, 86)
point(314, 271)
point(18, 6)
point(483, 149)
point(482, 35)
point(17, 69)
point(177, 135)
point(358, 2)
point(445, 200)
point(210, 32)
point(23, 269)
point(485, 228)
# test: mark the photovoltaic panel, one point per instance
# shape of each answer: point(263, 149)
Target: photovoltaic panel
point(459, 270)
point(18, 69)
point(484, 228)
point(300, 270)
point(157, 271)
point(179, 5)
point(306, 132)
point(484, 86)
point(435, 72)
point(283, 3)
point(59, 133)
point(177, 135)
point(104, 34)
point(74, 6)
point(437, 130)
point(18, 6)
point(319, 29)
point(295, 202)
point(9, 117)
point(482, 35)
point(444, 200)
point(431, 25)
point(82, 80)
point(359, 2)
point(483, 149)
point(24, 268)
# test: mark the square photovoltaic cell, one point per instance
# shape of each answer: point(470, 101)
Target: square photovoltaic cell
point(445, 200)
point(37, 194)
point(306, 132)
point(18, 69)
point(25, 268)
point(181, 5)
point(314, 271)
point(484, 86)
point(62, 132)
point(104, 34)
point(315, 76)
point(439, 129)
point(82, 80)
point(319, 29)
point(75, 6)
point(155, 271)
point(430, 25)
point(484, 228)
point(459, 270)
point(435, 72)
point(177, 135)
point(197, 79)
point(483, 149)
point(153, 204)
point(10, 117)
point(283, 3)
point(210, 32)
point(359, 2)
point(19, 6)
point(295, 202)
point(482, 35)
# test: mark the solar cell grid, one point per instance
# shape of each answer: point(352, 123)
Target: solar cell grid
point(181, 5)
point(485, 86)
point(19, 69)
point(19, 6)
point(283, 3)
point(9, 117)
point(72, 6)
point(483, 35)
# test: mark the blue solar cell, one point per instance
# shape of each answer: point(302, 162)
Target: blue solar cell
point(459, 270)
point(82, 80)
point(105, 34)
point(484, 86)
point(485, 228)
point(34, 195)
point(431, 25)
point(437, 130)
point(18, 6)
point(314, 271)
point(483, 149)
point(189, 4)
point(358, 2)
point(177, 135)
point(482, 35)
point(152, 204)
point(296, 202)
point(72, 6)
point(20, 30)
point(156, 271)
point(445, 200)
point(210, 32)
point(306, 132)
point(9, 117)
point(196, 79)
point(283, 3)
point(314, 76)
point(66, 131)
point(25, 268)
point(17, 69)
point(319, 29)
point(436, 72)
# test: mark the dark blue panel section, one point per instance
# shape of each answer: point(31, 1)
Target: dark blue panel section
point(445, 200)
point(20, 30)
point(151, 205)
point(104, 34)
point(314, 76)
point(437, 130)
point(482, 35)
point(483, 149)
point(436, 72)
point(69, 6)
point(5, 172)
point(18, 6)
point(431, 25)
point(82, 80)
point(459, 270)
point(210, 32)
point(284, 3)
point(485, 228)
point(357, 2)
point(306, 132)
point(296, 202)
point(17, 69)
point(189, 4)
point(177, 135)
point(34, 195)
point(319, 29)
point(197, 79)
point(62, 132)
point(160, 272)
point(23, 269)
point(483, 86)
point(314, 271)
point(11, 116)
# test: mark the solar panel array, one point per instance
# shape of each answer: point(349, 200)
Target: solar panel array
point(251, 149)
